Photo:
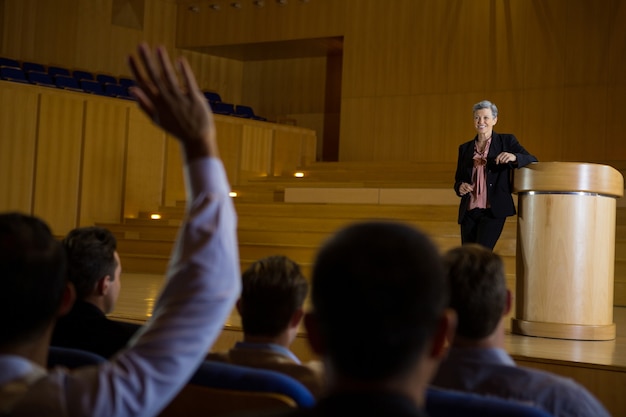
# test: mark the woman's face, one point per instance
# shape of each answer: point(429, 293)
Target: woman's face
point(484, 121)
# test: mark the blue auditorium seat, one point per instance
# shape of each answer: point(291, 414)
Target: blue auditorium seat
point(212, 96)
point(105, 78)
point(448, 403)
point(66, 82)
point(13, 74)
point(8, 62)
point(228, 376)
point(32, 66)
point(92, 87)
point(40, 78)
point(126, 82)
point(116, 90)
point(219, 388)
point(82, 75)
point(52, 71)
point(223, 108)
point(72, 358)
point(247, 112)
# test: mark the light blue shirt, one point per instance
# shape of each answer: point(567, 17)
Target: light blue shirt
point(493, 372)
point(272, 347)
point(202, 285)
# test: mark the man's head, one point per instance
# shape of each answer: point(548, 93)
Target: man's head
point(273, 291)
point(32, 269)
point(478, 290)
point(93, 265)
point(379, 296)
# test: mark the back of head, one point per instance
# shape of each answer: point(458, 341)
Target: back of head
point(478, 290)
point(378, 291)
point(90, 256)
point(273, 288)
point(32, 267)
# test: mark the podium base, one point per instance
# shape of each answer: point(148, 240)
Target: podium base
point(563, 331)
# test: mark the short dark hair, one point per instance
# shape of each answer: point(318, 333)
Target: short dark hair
point(273, 288)
point(378, 292)
point(32, 269)
point(90, 256)
point(478, 290)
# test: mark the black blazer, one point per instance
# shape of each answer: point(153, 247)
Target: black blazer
point(499, 177)
point(87, 328)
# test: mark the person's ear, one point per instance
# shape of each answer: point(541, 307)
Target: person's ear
point(495, 120)
point(314, 335)
point(444, 334)
point(67, 300)
point(103, 284)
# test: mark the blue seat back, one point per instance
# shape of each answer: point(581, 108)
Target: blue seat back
point(72, 358)
point(91, 86)
point(66, 82)
point(212, 97)
point(40, 78)
point(13, 74)
point(8, 62)
point(52, 71)
point(447, 403)
point(82, 75)
point(228, 376)
point(33, 66)
point(104, 78)
point(223, 108)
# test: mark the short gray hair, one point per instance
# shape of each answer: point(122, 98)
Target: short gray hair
point(486, 104)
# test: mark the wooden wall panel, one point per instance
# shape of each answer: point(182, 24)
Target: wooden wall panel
point(18, 137)
point(59, 152)
point(285, 147)
point(540, 61)
point(145, 165)
point(174, 178)
point(256, 151)
point(202, 26)
point(229, 135)
point(615, 114)
point(276, 88)
point(103, 163)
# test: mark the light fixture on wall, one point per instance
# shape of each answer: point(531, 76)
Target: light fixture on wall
point(282, 2)
point(193, 8)
point(236, 5)
point(259, 3)
point(215, 7)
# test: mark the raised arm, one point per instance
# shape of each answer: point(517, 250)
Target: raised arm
point(203, 278)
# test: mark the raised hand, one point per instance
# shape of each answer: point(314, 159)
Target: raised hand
point(180, 108)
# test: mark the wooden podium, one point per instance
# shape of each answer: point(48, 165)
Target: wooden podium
point(566, 250)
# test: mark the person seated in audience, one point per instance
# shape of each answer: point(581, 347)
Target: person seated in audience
point(477, 361)
point(379, 320)
point(94, 268)
point(201, 287)
point(271, 310)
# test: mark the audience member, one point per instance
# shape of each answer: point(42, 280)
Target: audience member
point(379, 320)
point(271, 310)
point(94, 268)
point(201, 286)
point(477, 361)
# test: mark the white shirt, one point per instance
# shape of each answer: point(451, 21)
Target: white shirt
point(202, 285)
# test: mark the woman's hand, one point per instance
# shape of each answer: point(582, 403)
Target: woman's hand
point(465, 188)
point(505, 158)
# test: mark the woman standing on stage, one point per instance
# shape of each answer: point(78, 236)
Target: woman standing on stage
point(483, 178)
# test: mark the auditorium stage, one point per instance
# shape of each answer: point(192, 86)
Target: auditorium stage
point(598, 365)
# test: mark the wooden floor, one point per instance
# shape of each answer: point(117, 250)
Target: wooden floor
point(293, 216)
point(598, 365)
